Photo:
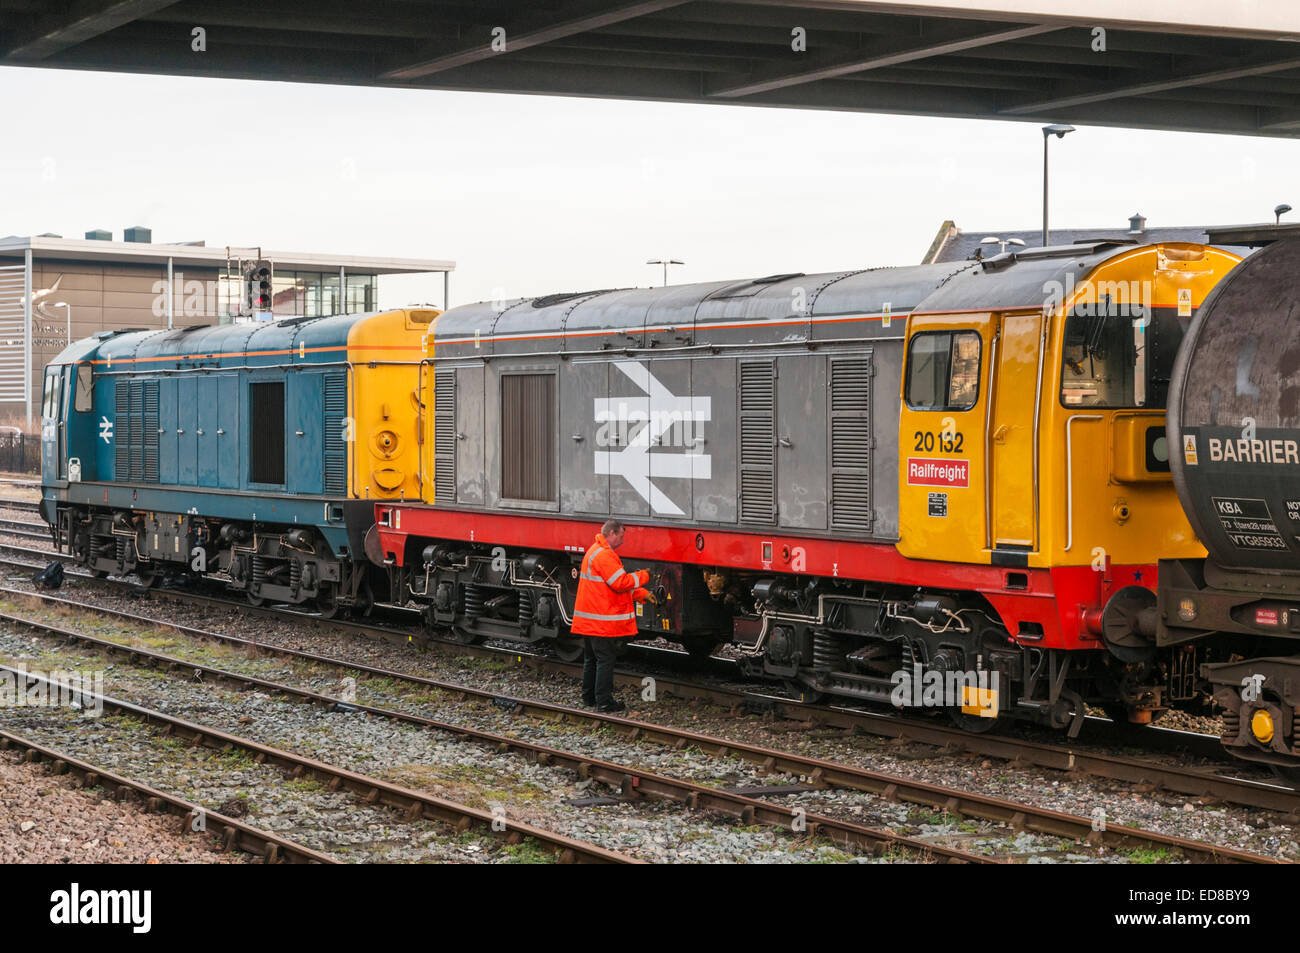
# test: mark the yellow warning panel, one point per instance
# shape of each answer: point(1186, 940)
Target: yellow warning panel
point(979, 701)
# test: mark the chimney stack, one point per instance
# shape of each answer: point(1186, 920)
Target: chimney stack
point(1137, 224)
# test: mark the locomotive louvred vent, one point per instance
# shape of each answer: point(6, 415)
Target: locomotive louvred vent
point(444, 437)
point(757, 442)
point(122, 438)
point(851, 443)
point(149, 439)
point(335, 442)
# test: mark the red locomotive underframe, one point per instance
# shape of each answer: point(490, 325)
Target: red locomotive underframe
point(1054, 599)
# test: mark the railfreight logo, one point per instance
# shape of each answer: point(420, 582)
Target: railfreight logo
point(659, 421)
point(923, 471)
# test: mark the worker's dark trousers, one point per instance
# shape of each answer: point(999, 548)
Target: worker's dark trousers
point(599, 653)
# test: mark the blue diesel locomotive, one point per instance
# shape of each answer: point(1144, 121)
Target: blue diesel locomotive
point(251, 453)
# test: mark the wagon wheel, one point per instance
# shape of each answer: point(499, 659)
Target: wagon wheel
point(1290, 774)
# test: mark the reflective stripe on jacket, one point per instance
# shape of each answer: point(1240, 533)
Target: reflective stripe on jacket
point(607, 593)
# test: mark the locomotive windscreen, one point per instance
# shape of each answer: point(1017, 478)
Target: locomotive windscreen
point(1234, 415)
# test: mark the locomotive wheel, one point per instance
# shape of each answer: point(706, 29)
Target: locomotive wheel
point(802, 693)
point(568, 649)
point(365, 600)
point(148, 578)
point(327, 601)
point(460, 636)
point(700, 648)
point(255, 601)
point(974, 724)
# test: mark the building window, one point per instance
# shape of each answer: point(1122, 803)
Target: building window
point(266, 431)
point(361, 294)
point(528, 437)
point(943, 370)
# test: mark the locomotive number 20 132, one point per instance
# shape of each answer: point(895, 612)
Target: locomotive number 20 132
point(945, 442)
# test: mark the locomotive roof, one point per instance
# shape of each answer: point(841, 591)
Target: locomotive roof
point(278, 342)
point(775, 307)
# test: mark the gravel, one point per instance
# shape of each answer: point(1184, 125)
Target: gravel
point(1119, 803)
point(48, 818)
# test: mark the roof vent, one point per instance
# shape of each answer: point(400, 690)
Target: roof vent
point(99, 235)
point(137, 233)
point(1137, 224)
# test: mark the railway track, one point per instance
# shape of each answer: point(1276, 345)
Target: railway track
point(630, 781)
point(414, 804)
point(234, 834)
point(22, 506)
point(25, 529)
point(815, 773)
point(1178, 779)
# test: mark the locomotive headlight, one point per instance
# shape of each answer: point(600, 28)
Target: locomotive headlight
point(1187, 610)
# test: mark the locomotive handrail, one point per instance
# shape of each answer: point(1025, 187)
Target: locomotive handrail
point(988, 440)
point(1069, 474)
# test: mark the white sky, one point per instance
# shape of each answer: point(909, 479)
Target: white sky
point(532, 195)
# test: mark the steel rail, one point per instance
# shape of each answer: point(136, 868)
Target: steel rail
point(819, 773)
point(235, 835)
point(1073, 759)
point(415, 804)
point(630, 781)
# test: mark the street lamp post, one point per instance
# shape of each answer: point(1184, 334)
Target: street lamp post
point(665, 262)
point(1059, 130)
point(68, 309)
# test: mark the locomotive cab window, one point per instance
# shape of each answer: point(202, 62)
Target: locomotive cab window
point(50, 398)
point(1117, 356)
point(83, 396)
point(266, 430)
point(943, 370)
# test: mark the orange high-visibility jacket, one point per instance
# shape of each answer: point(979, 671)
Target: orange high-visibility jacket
point(607, 593)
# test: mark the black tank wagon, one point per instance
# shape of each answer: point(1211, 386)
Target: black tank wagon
point(1234, 436)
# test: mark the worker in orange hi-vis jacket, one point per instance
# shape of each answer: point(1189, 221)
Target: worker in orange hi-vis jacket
point(605, 614)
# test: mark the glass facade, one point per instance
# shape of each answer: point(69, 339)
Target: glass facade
point(304, 294)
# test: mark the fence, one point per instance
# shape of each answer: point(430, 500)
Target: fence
point(20, 452)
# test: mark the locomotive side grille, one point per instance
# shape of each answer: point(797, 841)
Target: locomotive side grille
point(122, 436)
point(528, 437)
point(135, 414)
point(444, 437)
point(149, 438)
point(851, 443)
point(335, 443)
point(757, 442)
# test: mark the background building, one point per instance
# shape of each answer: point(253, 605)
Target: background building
point(955, 244)
point(55, 289)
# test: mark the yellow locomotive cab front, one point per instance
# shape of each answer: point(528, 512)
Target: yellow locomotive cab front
point(1035, 437)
